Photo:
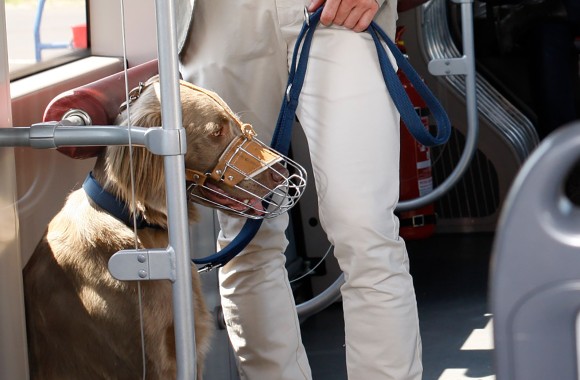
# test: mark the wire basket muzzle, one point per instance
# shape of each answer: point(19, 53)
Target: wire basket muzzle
point(250, 180)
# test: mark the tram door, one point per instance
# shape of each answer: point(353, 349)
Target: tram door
point(13, 342)
point(13, 363)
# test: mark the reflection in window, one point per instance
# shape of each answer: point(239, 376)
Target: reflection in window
point(44, 33)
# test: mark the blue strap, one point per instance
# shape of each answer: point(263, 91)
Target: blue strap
point(283, 132)
point(112, 204)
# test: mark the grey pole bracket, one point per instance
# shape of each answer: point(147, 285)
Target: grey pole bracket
point(143, 264)
point(166, 142)
point(449, 66)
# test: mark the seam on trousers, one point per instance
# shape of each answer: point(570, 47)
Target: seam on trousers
point(299, 337)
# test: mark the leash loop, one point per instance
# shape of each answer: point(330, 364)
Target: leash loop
point(402, 102)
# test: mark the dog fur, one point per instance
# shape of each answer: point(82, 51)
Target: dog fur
point(84, 324)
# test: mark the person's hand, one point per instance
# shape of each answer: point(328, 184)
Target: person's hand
point(353, 14)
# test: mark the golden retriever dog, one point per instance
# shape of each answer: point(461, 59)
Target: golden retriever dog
point(83, 323)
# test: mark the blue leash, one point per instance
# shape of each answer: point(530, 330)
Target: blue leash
point(282, 134)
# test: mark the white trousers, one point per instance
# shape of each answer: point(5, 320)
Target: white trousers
point(241, 49)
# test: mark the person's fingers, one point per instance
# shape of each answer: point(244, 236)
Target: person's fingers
point(364, 21)
point(353, 14)
point(329, 12)
point(314, 5)
point(353, 18)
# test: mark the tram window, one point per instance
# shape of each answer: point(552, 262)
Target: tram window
point(45, 33)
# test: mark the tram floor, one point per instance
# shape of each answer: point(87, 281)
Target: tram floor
point(450, 273)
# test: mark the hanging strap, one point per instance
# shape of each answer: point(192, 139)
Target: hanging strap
point(283, 132)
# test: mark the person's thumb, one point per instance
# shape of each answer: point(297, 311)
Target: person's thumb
point(314, 5)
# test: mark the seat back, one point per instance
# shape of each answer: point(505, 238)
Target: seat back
point(535, 274)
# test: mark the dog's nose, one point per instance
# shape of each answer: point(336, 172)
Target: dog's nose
point(278, 173)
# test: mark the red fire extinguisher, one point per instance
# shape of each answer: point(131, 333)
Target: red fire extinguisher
point(415, 167)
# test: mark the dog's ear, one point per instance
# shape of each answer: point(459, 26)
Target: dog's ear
point(146, 118)
point(145, 112)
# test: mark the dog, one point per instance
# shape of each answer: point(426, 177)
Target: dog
point(84, 324)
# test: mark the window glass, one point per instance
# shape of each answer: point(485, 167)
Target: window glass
point(44, 33)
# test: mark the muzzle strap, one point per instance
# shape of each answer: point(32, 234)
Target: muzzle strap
point(243, 159)
point(195, 177)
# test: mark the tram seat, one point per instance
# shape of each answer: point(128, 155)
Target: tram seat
point(100, 100)
point(535, 272)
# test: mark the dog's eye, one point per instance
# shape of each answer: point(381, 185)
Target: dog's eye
point(218, 132)
point(222, 129)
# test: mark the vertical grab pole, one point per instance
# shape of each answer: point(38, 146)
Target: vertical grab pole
point(37, 22)
point(176, 195)
point(470, 78)
point(464, 65)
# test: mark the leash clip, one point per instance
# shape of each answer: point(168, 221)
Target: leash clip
point(208, 268)
point(134, 94)
point(288, 89)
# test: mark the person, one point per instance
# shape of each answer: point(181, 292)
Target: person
point(242, 50)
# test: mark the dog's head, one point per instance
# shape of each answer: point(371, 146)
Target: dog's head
point(226, 166)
